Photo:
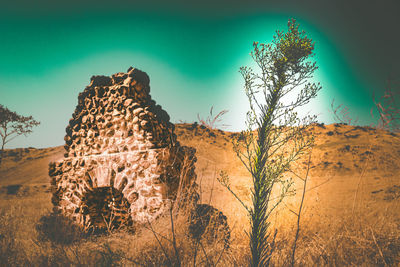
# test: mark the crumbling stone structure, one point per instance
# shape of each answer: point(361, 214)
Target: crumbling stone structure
point(123, 163)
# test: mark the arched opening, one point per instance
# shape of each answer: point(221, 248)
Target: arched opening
point(106, 208)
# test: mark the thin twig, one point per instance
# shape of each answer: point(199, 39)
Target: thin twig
point(360, 177)
point(300, 209)
point(174, 239)
point(159, 243)
point(205, 254)
point(378, 247)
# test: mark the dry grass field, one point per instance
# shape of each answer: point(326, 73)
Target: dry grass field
point(351, 214)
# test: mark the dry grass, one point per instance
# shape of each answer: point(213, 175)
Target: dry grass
point(28, 237)
point(348, 241)
point(331, 234)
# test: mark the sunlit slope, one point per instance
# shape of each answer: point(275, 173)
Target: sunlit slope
point(350, 167)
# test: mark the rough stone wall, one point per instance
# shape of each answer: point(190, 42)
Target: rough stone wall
point(122, 163)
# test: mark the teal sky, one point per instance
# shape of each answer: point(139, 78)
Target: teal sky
point(47, 57)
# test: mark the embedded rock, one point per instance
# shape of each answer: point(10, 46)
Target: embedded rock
point(123, 164)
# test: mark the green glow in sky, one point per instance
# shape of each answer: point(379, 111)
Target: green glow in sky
point(192, 62)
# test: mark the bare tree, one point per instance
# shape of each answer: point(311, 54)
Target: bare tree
point(13, 125)
point(388, 107)
point(341, 114)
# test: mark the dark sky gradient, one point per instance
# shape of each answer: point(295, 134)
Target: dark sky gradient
point(192, 53)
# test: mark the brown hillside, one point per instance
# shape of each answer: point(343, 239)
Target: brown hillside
point(342, 155)
point(354, 174)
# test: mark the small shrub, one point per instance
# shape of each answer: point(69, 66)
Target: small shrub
point(58, 229)
point(366, 153)
point(209, 223)
point(212, 121)
point(352, 136)
point(107, 257)
point(194, 125)
point(392, 193)
point(13, 189)
point(364, 129)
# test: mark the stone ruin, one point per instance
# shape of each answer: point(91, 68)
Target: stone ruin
point(123, 164)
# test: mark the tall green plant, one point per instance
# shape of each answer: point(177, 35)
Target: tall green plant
point(275, 135)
